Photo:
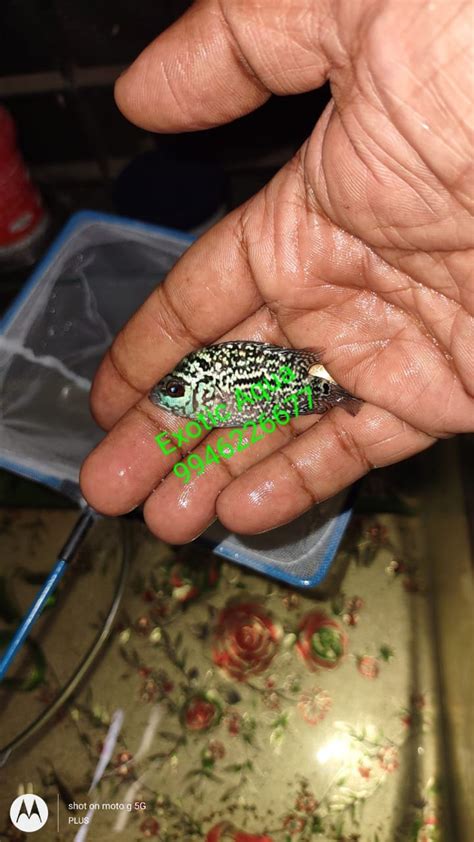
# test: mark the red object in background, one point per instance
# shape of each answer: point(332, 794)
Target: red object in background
point(21, 212)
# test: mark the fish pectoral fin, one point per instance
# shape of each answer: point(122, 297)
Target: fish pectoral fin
point(318, 370)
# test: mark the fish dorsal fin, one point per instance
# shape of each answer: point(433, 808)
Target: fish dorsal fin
point(312, 355)
point(309, 355)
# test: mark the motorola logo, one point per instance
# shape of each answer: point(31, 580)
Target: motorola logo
point(29, 813)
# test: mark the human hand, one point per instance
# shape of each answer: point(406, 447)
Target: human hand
point(359, 246)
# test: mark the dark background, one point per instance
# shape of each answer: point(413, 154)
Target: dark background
point(77, 124)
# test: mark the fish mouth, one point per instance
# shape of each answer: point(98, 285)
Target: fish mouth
point(154, 396)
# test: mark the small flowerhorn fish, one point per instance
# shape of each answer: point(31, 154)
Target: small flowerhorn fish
point(234, 382)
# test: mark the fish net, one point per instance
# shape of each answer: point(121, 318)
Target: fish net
point(58, 330)
point(93, 278)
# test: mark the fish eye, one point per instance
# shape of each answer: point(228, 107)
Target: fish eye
point(175, 389)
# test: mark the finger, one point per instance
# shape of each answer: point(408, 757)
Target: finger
point(178, 512)
point(207, 292)
point(219, 61)
point(325, 459)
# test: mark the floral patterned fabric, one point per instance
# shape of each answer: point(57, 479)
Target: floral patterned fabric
point(252, 712)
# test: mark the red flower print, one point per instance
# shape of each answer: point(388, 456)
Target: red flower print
point(314, 705)
point(183, 588)
point(306, 803)
point(294, 824)
point(418, 700)
point(123, 764)
point(185, 593)
point(201, 713)
point(395, 568)
point(246, 640)
point(149, 690)
point(412, 585)
point(143, 625)
point(413, 716)
point(377, 533)
point(271, 700)
point(176, 579)
point(149, 827)
point(351, 610)
point(388, 758)
point(291, 601)
point(188, 580)
point(321, 641)
point(368, 666)
point(364, 771)
point(233, 723)
point(226, 832)
point(216, 749)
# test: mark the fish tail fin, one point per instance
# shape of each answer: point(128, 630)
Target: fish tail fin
point(339, 397)
point(352, 405)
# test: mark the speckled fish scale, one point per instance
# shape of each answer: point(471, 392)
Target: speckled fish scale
point(231, 374)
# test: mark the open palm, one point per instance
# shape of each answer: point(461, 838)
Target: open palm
point(360, 246)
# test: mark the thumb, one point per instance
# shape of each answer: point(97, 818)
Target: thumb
point(222, 60)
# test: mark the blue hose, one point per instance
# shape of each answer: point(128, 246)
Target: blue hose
point(71, 546)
